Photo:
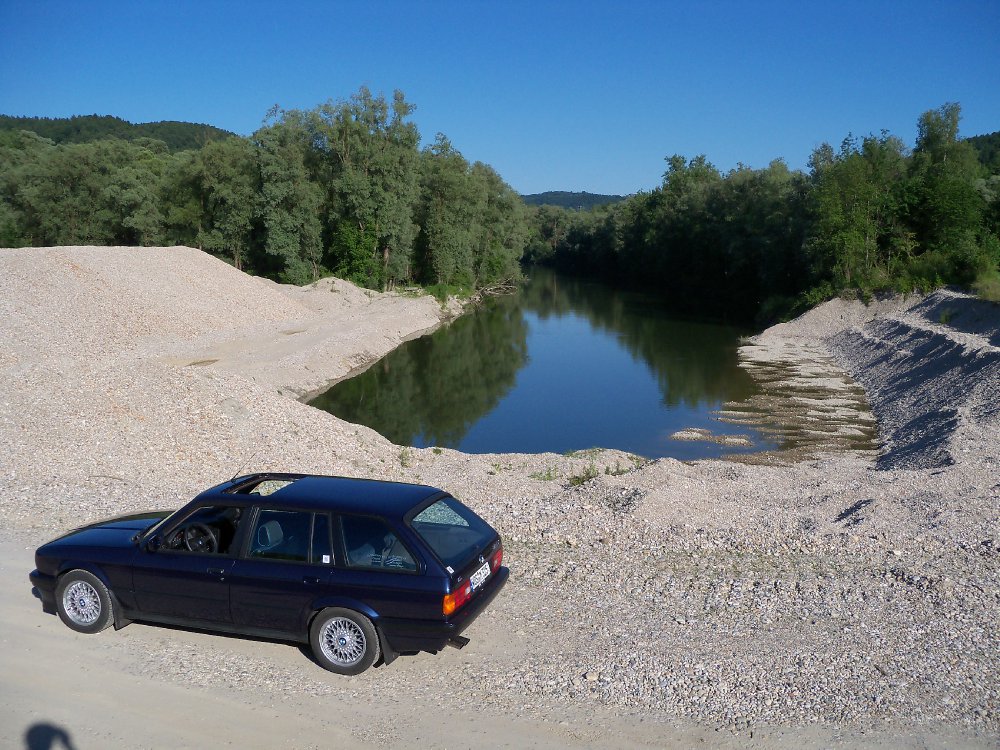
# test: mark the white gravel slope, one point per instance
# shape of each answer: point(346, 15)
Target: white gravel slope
point(846, 593)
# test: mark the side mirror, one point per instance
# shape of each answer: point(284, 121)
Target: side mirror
point(154, 543)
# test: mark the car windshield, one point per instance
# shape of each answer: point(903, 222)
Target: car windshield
point(148, 533)
point(453, 531)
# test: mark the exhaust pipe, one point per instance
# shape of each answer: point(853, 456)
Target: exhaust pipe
point(458, 641)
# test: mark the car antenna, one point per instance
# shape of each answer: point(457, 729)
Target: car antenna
point(244, 465)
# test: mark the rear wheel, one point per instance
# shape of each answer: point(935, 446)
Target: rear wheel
point(83, 602)
point(344, 641)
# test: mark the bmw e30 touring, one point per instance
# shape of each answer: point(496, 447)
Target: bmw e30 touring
point(361, 570)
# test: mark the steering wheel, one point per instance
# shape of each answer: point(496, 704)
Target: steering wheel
point(200, 538)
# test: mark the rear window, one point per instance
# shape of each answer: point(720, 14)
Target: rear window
point(453, 531)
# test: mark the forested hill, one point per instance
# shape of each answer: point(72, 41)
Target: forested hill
point(988, 148)
point(179, 136)
point(578, 201)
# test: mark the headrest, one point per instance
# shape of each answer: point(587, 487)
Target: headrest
point(269, 535)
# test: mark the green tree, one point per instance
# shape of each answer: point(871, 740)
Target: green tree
point(502, 230)
point(184, 199)
point(229, 181)
point(857, 238)
point(289, 202)
point(132, 193)
point(355, 250)
point(549, 225)
point(61, 197)
point(20, 152)
point(946, 208)
point(448, 216)
point(370, 154)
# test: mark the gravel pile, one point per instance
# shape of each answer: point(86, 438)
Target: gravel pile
point(849, 589)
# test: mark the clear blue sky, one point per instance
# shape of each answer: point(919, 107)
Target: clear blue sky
point(574, 95)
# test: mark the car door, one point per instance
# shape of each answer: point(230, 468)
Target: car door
point(382, 571)
point(183, 580)
point(288, 561)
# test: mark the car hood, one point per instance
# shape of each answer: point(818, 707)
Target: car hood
point(112, 531)
point(133, 521)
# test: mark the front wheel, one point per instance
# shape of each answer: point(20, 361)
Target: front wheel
point(83, 602)
point(344, 641)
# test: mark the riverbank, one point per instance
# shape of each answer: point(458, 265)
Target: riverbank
point(846, 596)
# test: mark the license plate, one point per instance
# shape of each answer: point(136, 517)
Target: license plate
point(477, 578)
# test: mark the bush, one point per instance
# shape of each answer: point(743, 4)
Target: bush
point(442, 292)
point(987, 286)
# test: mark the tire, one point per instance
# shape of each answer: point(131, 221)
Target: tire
point(344, 641)
point(83, 602)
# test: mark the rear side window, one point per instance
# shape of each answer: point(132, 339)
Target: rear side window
point(453, 531)
point(370, 543)
point(281, 535)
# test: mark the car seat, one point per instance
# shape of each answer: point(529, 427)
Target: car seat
point(269, 536)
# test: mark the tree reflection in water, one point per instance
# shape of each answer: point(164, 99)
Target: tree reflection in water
point(431, 390)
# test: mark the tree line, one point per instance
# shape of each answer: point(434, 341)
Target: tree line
point(178, 136)
point(343, 188)
point(760, 244)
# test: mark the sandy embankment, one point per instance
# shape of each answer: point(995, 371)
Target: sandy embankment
point(844, 599)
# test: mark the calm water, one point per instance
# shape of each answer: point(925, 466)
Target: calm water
point(564, 365)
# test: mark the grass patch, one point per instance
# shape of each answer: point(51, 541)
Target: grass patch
point(497, 467)
point(589, 473)
point(545, 476)
point(585, 453)
point(987, 287)
point(406, 458)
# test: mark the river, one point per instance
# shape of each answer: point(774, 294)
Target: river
point(566, 364)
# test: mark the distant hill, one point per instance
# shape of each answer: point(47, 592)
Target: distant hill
point(178, 136)
point(563, 199)
point(988, 147)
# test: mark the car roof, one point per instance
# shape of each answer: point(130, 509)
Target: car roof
point(344, 494)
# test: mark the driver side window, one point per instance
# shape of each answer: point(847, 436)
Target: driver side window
point(209, 530)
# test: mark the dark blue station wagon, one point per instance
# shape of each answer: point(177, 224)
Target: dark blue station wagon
point(359, 569)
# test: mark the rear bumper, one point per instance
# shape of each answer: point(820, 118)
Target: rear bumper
point(423, 635)
point(45, 589)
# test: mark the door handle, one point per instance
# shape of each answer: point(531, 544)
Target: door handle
point(310, 579)
point(216, 572)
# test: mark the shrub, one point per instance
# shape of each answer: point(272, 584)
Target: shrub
point(987, 286)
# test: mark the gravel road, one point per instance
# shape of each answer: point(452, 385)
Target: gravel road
point(828, 597)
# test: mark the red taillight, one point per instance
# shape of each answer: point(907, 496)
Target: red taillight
point(496, 559)
point(457, 598)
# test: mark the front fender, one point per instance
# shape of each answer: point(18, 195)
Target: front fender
point(95, 570)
